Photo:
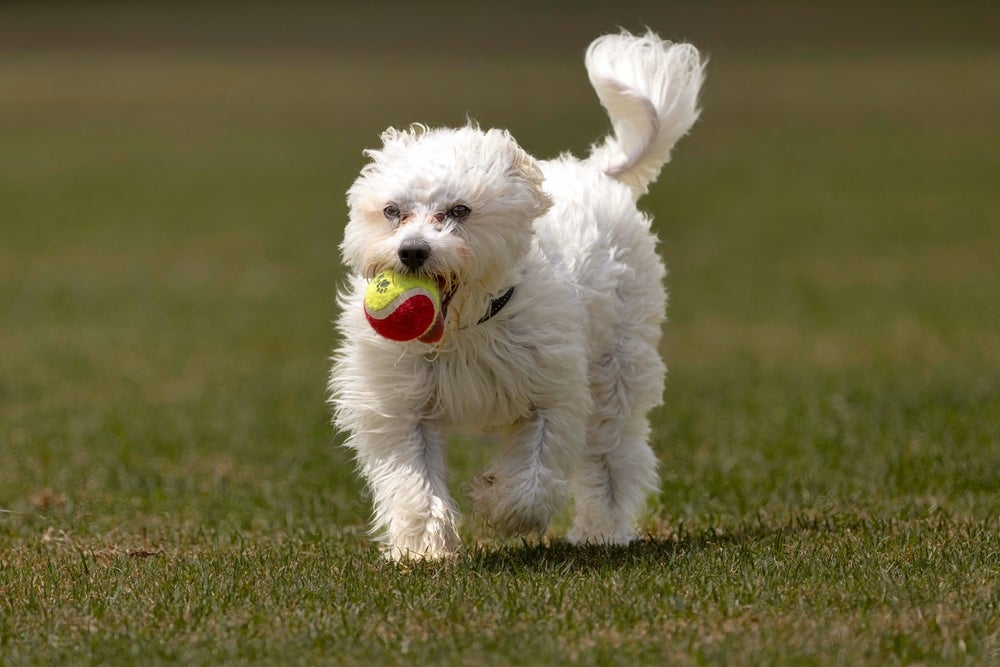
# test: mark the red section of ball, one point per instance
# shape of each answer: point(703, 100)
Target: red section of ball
point(411, 319)
point(436, 332)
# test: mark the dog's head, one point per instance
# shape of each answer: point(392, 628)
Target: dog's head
point(455, 205)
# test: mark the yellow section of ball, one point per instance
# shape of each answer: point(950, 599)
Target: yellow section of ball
point(388, 285)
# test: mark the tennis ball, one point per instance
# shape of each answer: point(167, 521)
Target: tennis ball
point(404, 307)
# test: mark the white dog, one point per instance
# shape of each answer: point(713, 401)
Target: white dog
point(553, 297)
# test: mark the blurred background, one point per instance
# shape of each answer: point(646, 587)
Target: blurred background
point(172, 181)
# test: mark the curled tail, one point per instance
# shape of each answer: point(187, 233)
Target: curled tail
point(649, 88)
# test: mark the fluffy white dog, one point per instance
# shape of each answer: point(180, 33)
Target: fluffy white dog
point(553, 298)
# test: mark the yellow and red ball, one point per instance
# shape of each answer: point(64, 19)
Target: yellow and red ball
point(404, 307)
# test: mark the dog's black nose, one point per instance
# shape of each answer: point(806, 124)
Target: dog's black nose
point(414, 252)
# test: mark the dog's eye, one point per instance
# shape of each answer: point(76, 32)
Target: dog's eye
point(459, 212)
point(391, 212)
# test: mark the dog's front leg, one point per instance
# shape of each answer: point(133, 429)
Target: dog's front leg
point(405, 470)
point(523, 488)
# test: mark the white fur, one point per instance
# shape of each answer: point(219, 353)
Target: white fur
point(568, 370)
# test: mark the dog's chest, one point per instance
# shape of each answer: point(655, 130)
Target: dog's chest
point(482, 389)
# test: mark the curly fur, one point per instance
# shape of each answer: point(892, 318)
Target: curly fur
point(569, 368)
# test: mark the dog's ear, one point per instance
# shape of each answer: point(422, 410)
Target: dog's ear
point(529, 170)
point(525, 170)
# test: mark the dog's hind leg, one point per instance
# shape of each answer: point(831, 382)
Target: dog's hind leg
point(618, 469)
point(527, 483)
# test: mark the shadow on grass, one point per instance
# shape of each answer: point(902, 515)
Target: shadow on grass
point(561, 556)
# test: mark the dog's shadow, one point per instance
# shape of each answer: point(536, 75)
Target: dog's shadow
point(561, 556)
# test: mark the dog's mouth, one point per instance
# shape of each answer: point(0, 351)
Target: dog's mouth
point(446, 290)
point(447, 286)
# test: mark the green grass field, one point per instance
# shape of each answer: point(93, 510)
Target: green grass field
point(171, 200)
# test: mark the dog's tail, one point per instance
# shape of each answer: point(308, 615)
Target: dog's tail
point(649, 88)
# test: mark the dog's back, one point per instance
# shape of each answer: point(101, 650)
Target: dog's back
point(649, 88)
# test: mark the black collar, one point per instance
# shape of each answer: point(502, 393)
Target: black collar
point(496, 305)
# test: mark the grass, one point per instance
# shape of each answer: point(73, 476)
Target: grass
point(171, 491)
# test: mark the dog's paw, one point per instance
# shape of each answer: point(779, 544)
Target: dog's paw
point(518, 505)
point(404, 554)
point(432, 538)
